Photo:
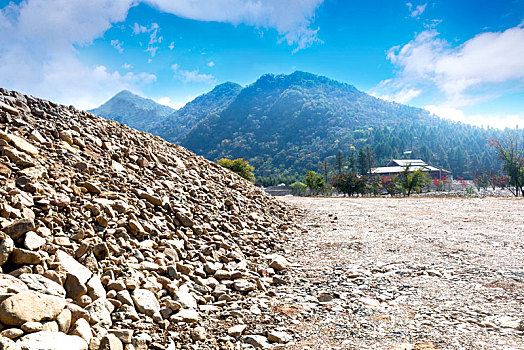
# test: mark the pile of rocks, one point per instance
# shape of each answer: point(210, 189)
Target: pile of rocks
point(112, 238)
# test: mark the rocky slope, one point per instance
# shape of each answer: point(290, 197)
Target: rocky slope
point(111, 238)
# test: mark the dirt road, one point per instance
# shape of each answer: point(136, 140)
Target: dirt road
point(408, 273)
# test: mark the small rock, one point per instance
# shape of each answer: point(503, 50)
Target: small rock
point(33, 241)
point(279, 337)
point(187, 316)
point(110, 342)
point(6, 247)
point(198, 334)
point(257, 341)
point(237, 331)
point(146, 302)
point(279, 263)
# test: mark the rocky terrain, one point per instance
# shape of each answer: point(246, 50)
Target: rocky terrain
point(111, 238)
point(406, 274)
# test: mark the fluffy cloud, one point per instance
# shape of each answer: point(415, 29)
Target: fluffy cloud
point(500, 121)
point(39, 41)
point(291, 18)
point(191, 76)
point(466, 74)
point(38, 50)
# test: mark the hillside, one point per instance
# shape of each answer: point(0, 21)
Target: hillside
point(113, 238)
point(178, 124)
point(132, 110)
point(286, 124)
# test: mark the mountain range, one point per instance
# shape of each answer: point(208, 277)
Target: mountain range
point(286, 124)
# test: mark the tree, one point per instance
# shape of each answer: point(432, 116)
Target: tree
point(390, 184)
point(413, 180)
point(325, 169)
point(366, 160)
point(352, 161)
point(298, 188)
point(314, 181)
point(349, 183)
point(239, 166)
point(339, 161)
point(512, 155)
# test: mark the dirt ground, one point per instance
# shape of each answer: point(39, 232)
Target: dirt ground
point(407, 273)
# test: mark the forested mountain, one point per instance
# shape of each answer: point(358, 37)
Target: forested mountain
point(286, 124)
point(175, 126)
point(133, 110)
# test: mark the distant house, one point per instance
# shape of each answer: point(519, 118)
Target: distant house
point(396, 166)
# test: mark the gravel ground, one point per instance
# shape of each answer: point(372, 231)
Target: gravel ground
point(407, 273)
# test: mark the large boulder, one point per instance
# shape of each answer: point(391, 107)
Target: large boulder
point(10, 284)
point(42, 284)
point(51, 341)
point(30, 306)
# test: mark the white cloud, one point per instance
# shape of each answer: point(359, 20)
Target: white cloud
point(171, 46)
point(417, 10)
point(191, 76)
point(211, 64)
point(500, 121)
point(402, 96)
point(291, 18)
point(138, 29)
point(166, 101)
point(478, 70)
point(117, 45)
point(127, 66)
point(38, 50)
point(39, 40)
point(154, 39)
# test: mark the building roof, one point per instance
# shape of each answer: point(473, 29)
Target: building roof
point(399, 169)
point(404, 162)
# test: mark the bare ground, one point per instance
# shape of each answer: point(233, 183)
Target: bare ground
point(407, 273)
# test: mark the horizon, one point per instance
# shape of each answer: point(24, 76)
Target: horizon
point(459, 64)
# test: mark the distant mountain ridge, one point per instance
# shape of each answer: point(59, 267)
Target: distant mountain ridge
point(178, 124)
point(286, 124)
point(133, 110)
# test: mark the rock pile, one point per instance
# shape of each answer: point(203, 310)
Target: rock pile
point(111, 238)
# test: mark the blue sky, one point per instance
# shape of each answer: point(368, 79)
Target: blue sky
point(463, 60)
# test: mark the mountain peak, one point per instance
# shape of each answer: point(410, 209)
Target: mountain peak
point(133, 110)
